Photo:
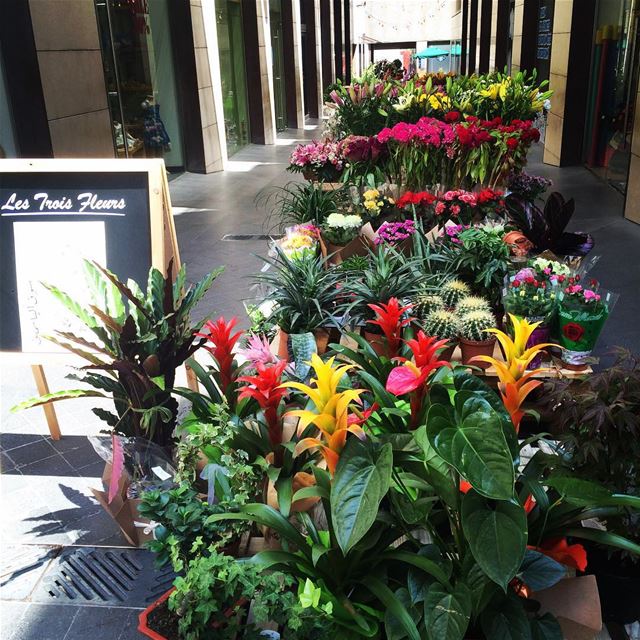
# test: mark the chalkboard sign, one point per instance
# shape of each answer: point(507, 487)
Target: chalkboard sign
point(54, 213)
point(544, 38)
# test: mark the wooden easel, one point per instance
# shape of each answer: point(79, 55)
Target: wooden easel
point(164, 243)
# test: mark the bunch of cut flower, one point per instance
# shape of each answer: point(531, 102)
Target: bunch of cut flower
point(340, 229)
point(300, 241)
point(376, 204)
point(318, 160)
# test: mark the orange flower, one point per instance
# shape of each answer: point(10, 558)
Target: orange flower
point(571, 555)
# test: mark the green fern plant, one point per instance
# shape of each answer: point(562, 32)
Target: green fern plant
point(474, 325)
point(140, 340)
point(472, 303)
point(453, 291)
point(441, 324)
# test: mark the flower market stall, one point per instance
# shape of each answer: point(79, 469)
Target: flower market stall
point(409, 441)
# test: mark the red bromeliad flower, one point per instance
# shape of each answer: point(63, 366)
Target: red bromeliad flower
point(411, 377)
point(222, 342)
point(389, 319)
point(571, 555)
point(266, 388)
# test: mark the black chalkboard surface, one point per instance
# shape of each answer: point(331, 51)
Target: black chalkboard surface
point(49, 221)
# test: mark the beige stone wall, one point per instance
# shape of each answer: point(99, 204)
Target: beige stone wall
point(561, 40)
point(516, 49)
point(319, 55)
point(632, 205)
point(68, 49)
point(297, 61)
point(205, 42)
point(266, 71)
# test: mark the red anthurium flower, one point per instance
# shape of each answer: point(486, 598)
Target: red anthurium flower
point(571, 555)
point(222, 342)
point(411, 377)
point(389, 319)
point(266, 388)
point(529, 504)
point(465, 486)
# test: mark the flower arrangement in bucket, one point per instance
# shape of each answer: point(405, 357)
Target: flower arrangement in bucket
point(376, 205)
point(300, 241)
point(395, 233)
point(581, 315)
point(340, 233)
point(317, 161)
point(466, 206)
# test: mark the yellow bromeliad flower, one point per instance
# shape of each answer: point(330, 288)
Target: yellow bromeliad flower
point(330, 413)
point(515, 381)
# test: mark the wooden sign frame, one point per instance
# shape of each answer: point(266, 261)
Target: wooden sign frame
point(163, 239)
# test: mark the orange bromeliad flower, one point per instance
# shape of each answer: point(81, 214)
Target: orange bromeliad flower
point(515, 381)
point(330, 413)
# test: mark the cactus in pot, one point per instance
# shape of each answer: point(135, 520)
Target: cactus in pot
point(472, 303)
point(425, 304)
point(442, 324)
point(453, 291)
point(475, 340)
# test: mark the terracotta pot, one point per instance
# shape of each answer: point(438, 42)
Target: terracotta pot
point(377, 342)
point(447, 353)
point(472, 348)
point(282, 345)
point(322, 340)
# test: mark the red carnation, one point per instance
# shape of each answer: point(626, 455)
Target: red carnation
point(452, 116)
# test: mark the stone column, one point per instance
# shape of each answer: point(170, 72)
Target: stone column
point(632, 202)
point(68, 49)
point(516, 47)
point(205, 42)
point(266, 71)
point(297, 61)
point(318, 27)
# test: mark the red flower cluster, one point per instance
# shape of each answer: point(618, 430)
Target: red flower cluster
point(362, 148)
point(471, 135)
point(415, 198)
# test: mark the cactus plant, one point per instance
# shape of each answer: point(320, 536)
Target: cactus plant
point(473, 326)
point(441, 324)
point(453, 291)
point(472, 303)
point(425, 303)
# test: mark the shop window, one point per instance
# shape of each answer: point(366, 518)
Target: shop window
point(233, 74)
point(135, 37)
point(277, 49)
point(613, 88)
point(7, 141)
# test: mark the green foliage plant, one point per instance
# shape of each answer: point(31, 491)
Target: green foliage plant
point(140, 340)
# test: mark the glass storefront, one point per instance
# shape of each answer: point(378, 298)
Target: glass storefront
point(233, 74)
point(7, 142)
point(277, 48)
point(140, 76)
point(615, 69)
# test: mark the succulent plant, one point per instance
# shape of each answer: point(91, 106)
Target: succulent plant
point(453, 291)
point(442, 324)
point(472, 303)
point(473, 325)
point(425, 303)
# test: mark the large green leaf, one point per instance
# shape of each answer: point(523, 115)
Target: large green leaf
point(584, 493)
point(360, 482)
point(447, 614)
point(546, 627)
point(473, 442)
point(55, 396)
point(506, 620)
point(393, 628)
point(303, 346)
point(437, 471)
point(497, 534)
point(393, 605)
point(539, 571)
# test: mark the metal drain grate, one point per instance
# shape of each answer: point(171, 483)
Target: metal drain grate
point(105, 576)
point(248, 236)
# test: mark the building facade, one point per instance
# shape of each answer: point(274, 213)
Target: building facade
point(190, 81)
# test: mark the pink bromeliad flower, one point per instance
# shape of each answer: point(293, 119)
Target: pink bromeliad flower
point(258, 351)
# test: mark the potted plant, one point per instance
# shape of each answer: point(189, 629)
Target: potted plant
point(305, 295)
point(443, 325)
point(532, 295)
point(140, 341)
point(341, 234)
point(211, 601)
point(321, 161)
point(453, 291)
point(425, 303)
point(474, 338)
point(472, 303)
point(582, 313)
point(597, 419)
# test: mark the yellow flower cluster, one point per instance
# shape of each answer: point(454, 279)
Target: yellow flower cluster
point(373, 202)
point(440, 101)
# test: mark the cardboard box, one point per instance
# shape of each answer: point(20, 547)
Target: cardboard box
point(124, 510)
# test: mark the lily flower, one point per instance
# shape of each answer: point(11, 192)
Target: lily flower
point(331, 411)
point(266, 388)
point(389, 317)
point(412, 377)
point(221, 343)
